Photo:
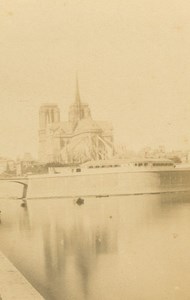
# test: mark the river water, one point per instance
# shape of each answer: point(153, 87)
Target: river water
point(112, 248)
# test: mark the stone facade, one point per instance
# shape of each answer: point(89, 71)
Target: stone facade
point(78, 140)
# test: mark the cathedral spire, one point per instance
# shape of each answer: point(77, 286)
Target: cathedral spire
point(78, 100)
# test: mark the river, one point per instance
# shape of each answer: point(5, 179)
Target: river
point(112, 248)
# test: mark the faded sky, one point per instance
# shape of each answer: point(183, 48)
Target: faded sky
point(133, 62)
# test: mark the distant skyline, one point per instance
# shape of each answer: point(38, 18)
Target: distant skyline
point(132, 59)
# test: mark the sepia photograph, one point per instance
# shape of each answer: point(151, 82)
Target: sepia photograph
point(94, 150)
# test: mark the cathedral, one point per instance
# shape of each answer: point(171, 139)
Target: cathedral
point(77, 140)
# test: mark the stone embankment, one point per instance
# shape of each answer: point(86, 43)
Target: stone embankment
point(13, 285)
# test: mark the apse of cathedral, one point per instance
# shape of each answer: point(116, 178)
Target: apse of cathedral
point(77, 140)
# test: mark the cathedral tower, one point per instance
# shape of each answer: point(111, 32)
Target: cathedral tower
point(49, 114)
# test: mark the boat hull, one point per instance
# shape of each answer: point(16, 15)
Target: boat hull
point(108, 184)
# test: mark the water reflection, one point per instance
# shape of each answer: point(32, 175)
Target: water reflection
point(103, 249)
point(71, 250)
point(24, 218)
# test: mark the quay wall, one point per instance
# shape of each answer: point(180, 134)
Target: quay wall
point(98, 184)
point(124, 183)
point(14, 285)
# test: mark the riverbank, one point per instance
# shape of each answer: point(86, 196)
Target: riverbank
point(13, 285)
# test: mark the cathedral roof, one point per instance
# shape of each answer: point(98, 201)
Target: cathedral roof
point(87, 125)
point(61, 128)
point(66, 127)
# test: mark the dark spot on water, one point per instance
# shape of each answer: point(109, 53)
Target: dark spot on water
point(80, 201)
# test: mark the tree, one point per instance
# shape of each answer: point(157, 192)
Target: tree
point(176, 159)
